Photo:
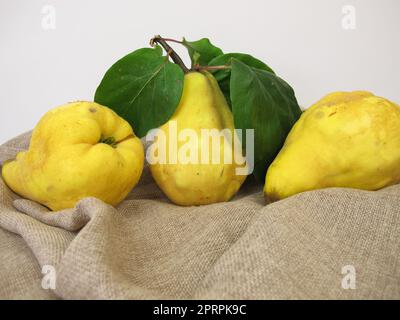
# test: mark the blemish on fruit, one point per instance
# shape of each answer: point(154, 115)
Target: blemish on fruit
point(92, 110)
point(319, 115)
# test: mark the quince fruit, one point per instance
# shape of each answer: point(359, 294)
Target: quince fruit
point(209, 178)
point(78, 150)
point(347, 139)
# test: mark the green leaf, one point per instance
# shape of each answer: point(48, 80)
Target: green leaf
point(143, 87)
point(266, 103)
point(225, 86)
point(226, 59)
point(224, 76)
point(201, 51)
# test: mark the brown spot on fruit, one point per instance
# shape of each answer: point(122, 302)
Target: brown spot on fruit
point(93, 110)
point(271, 197)
point(319, 115)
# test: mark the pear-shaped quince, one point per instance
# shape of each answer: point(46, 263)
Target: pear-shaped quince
point(78, 150)
point(209, 178)
point(347, 139)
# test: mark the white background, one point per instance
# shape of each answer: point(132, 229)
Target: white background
point(302, 40)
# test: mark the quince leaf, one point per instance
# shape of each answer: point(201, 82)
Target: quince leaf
point(201, 51)
point(224, 76)
point(226, 59)
point(264, 102)
point(143, 87)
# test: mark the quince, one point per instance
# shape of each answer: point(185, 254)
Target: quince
point(205, 176)
point(347, 139)
point(78, 150)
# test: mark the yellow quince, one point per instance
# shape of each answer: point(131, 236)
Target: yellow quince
point(205, 176)
point(347, 139)
point(78, 150)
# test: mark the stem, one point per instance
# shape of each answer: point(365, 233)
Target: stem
point(176, 59)
point(174, 56)
point(171, 40)
point(211, 67)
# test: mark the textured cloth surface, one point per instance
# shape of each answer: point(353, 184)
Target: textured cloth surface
point(148, 248)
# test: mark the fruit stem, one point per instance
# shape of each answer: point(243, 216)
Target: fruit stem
point(174, 56)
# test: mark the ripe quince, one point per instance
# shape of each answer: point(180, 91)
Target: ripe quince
point(347, 139)
point(209, 178)
point(78, 150)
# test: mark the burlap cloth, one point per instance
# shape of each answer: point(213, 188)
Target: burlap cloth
point(148, 248)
